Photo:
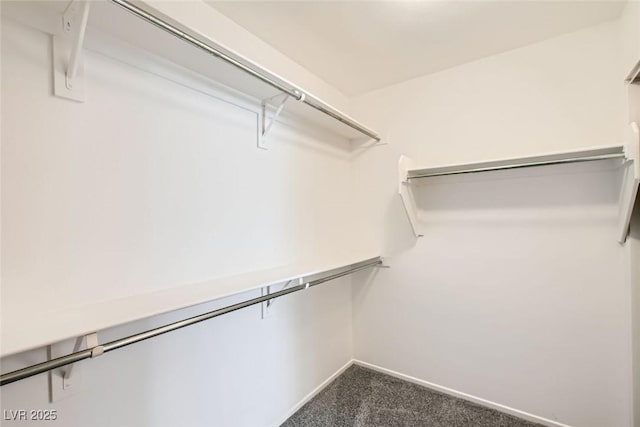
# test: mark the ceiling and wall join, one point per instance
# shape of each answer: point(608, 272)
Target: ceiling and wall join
point(370, 45)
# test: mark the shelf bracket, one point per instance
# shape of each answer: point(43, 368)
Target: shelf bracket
point(68, 381)
point(404, 189)
point(630, 182)
point(267, 306)
point(68, 68)
point(96, 350)
point(265, 123)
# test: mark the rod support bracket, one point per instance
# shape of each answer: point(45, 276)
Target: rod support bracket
point(97, 351)
point(91, 341)
point(68, 68)
point(301, 96)
point(406, 195)
point(267, 306)
point(630, 181)
point(266, 122)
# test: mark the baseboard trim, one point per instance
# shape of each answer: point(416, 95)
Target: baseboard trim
point(315, 391)
point(483, 402)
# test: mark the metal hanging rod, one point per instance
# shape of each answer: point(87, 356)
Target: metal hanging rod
point(426, 173)
point(262, 75)
point(39, 368)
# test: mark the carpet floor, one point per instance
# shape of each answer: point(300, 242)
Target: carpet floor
point(361, 397)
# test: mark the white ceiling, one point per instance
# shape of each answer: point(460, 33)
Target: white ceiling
point(358, 46)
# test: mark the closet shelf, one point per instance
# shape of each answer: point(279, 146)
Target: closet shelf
point(143, 27)
point(521, 162)
point(629, 154)
point(25, 332)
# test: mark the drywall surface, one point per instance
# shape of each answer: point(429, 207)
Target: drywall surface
point(152, 183)
point(630, 36)
point(634, 242)
point(518, 292)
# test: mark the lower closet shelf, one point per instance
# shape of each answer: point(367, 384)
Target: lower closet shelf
point(28, 332)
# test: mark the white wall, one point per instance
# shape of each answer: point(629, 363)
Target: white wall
point(518, 293)
point(634, 242)
point(630, 36)
point(151, 184)
point(630, 20)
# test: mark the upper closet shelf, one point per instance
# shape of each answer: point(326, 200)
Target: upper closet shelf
point(143, 27)
point(628, 153)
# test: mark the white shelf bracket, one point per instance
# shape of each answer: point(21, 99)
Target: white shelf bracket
point(267, 306)
point(91, 341)
point(265, 121)
point(68, 68)
point(67, 381)
point(630, 181)
point(404, 189)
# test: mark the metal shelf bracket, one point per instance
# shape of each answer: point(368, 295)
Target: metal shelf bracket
point(404, 189)
point(68, 381)
point(68, 68)
point(630, 181)
point(267, 306)
point(96, 350)
point(266, 122)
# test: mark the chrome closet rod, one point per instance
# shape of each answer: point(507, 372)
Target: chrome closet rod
point(418, 174)
point(270, 80)
point(39, 368)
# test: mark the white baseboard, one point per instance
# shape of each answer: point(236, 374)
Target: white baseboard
point(315, 391)
point(483, 402)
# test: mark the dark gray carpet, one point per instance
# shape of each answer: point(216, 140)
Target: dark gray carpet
point(361, 397)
